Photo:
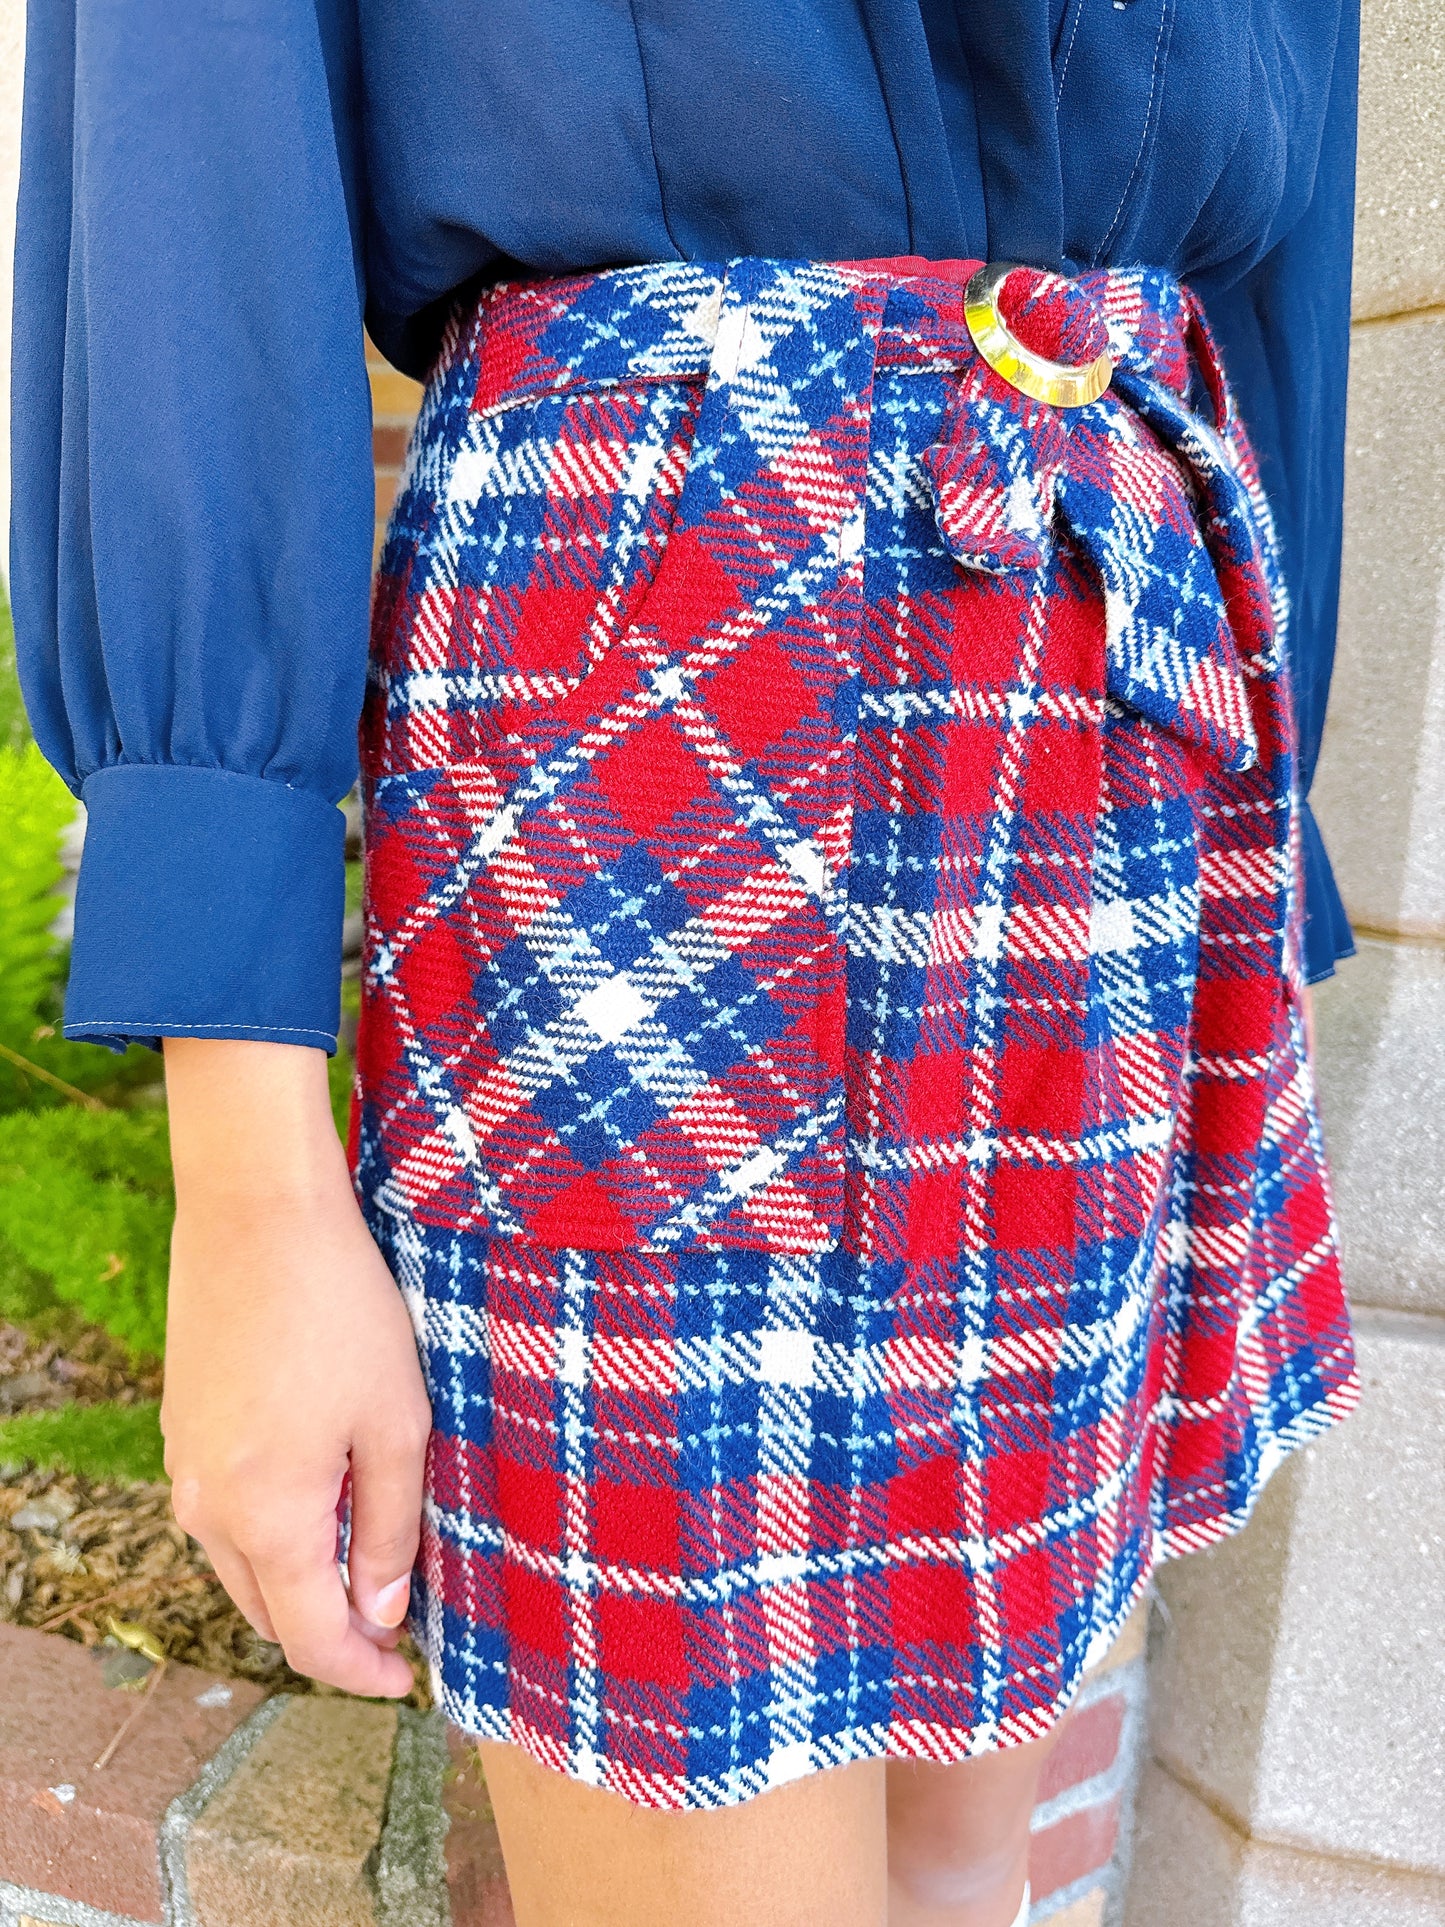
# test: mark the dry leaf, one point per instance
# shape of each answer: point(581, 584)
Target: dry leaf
point(137, 1637)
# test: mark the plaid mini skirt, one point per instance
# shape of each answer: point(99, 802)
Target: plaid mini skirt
point(831, 1075)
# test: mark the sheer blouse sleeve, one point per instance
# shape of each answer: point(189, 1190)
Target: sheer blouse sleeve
point(191, 538)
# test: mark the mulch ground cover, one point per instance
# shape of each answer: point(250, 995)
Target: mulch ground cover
point(79, 1365)
point(80, 1555)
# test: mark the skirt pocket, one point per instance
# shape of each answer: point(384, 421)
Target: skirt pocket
point(602, 998)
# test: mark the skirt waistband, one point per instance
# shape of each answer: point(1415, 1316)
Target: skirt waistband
point(1155, 482)
point(660, 322)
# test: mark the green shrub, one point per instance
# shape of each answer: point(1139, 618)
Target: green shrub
point(85, 1208)
point(97, 1441)
point(13, 728)
point(35, 808)
point(85, 1192)
point(27, 1297)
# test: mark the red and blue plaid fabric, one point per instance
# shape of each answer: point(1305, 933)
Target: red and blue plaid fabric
point(831, 1075)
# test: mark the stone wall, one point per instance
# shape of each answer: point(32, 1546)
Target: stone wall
point(1297, 1679)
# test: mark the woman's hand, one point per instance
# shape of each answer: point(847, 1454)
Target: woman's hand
point(289, 1361)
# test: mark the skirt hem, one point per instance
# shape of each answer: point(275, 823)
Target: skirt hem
point(943, 1744)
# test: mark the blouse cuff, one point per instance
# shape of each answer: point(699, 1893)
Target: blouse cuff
point(209, 905)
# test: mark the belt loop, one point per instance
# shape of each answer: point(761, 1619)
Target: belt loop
point(757, 419)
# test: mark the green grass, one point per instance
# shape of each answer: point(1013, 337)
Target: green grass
point(35, 808)
point(97, 1441)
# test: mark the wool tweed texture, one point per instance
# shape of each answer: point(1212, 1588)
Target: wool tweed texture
point(831, 1076)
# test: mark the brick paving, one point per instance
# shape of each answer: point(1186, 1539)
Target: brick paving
point(476, 1879)
point(292, 1834)
point(84, 1833)
point(222, 1807)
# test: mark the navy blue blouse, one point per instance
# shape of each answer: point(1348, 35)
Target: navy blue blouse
point(212, 193)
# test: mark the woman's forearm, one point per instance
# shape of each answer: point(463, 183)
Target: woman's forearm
point(290, 1363)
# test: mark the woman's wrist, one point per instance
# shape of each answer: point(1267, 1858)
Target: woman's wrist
point(250, 1122)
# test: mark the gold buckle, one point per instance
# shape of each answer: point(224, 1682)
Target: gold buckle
point(1051, 381)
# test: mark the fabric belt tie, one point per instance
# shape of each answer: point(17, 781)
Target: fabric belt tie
point(1135, 478)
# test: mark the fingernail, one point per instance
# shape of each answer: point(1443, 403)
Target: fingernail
point(391, 1602)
